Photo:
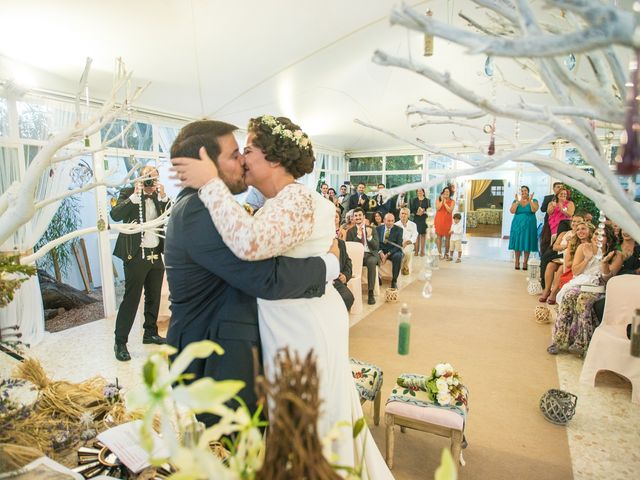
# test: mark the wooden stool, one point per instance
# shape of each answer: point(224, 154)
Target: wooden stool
point(431, 419)
point(368, 379)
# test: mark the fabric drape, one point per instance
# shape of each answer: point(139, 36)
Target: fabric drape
point(477, 188)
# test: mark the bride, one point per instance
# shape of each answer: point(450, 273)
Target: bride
point(295, 222)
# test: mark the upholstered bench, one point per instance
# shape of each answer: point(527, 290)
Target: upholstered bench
point(430, 418)
point(368, 380)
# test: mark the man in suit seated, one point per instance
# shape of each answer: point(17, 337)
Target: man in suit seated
point(368, 237)
point(213, 293)
point(390, 237)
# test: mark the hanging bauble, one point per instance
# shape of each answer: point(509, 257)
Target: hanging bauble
point(428, 40)
point(570, 61)
point(627, 159)
point(488, 67)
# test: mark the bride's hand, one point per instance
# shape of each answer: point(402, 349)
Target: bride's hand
point(193, 173)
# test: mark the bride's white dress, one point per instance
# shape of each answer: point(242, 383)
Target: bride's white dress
point(300, 223)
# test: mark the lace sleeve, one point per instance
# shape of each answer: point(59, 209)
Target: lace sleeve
point(282, 223)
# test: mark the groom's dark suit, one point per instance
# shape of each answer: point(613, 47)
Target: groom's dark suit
point(213, 293)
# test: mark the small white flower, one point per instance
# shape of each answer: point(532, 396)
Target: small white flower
point(441, 385)
point(298, 134)
point(444, 398)
point(456, 381)
point(450, 380)
point(441, 369)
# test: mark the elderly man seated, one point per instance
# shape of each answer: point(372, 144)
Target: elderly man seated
point(409, 237)
point(391, 246)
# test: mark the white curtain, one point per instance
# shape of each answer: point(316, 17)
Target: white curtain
point(26, 310)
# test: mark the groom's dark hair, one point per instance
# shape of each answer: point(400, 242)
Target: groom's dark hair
point(201, 133)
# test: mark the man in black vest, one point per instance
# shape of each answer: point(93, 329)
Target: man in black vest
point(141, 254)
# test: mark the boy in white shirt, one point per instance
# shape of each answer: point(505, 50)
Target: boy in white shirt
point(456, 237)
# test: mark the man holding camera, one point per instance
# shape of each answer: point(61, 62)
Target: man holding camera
point(141, 255)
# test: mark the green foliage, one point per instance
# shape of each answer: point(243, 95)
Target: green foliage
point(66, 220)
point(12, 274)
point(583, 203)
point(404, 162)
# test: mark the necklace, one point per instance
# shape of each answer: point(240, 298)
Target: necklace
point(140, 216)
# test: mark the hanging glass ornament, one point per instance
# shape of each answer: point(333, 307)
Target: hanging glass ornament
point(428, 40)
point(570, 61)
point(427, 289)
point(492, 141)
point(600, 235)
point(488, 66)
point(628, 162)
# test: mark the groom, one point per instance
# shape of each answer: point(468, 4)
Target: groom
point(213, 293)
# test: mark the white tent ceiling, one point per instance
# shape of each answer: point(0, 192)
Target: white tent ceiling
point(231, 60)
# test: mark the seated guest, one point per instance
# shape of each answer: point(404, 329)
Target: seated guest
point(368, 236)
point(630, 251)
point(346, 269)
point(409, 237)
point(390, 237)
point(575, 323)
point(348, 223)
point(377, 219)
point(583, 234)
point(554, 254)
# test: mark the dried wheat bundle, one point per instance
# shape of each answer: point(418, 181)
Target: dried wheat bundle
point(13, 457)
point(293, 449)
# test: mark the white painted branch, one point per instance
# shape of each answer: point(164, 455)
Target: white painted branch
point(82, 87)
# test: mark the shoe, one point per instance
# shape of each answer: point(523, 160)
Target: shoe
point(122, 354)
point(576, 350)
point(394, 284)
point(553, 349)
point(524, 267)
point(405, 271)
point(449, 259)
point(543, 299)
point(154, 339)
point(371, 300)
point(458, 260)
point(551, 301)
point(517, 267)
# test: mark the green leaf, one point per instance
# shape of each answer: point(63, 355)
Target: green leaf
point(202, 349)
point(358, 426)
point(149, 372)
point(447, 469)
point(206, 395)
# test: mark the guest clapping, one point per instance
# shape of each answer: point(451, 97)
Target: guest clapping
point(524, 232)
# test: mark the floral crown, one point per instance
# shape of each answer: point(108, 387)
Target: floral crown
point(296, 136)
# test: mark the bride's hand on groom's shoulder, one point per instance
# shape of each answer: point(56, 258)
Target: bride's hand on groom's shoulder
point(191, 172)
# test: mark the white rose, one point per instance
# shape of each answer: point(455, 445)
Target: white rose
point(444, 398)
point(450, 380)
point(456, 381)
point(441, 385)
point(441, 368)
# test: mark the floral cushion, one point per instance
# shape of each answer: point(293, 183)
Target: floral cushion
point(368, 378)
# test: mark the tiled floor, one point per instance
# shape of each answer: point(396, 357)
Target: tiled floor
point(603, 436)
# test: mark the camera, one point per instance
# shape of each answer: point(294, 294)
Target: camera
point(149, 182)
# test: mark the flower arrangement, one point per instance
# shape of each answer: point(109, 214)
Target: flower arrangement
point(445, 387)
point(298, 137)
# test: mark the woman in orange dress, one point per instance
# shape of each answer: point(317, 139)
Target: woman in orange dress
point(444, 219)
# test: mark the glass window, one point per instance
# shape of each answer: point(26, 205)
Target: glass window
point(4, 118)
point(166, 136)
point(497, 190)
point(440, 162)
point(139, 136)
point(574, 157)
point(403, 179)
point(30, 151)
point(365, 164)
point(32, 121)
point(404, 162)
point(9, 167)
point(371, 181)
point(435, 190)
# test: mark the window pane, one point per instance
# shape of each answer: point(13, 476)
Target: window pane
point(405, 162)
point(371, 181)
point(139, 136)
point(166, 136)
point(32, 121)
point(30, 151)
point(435, 190)
point(4, 118)
point(440, 162)
point(397, 180)
point(365, 164)
point(9, 168)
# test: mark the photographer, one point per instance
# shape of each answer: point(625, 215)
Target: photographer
point(141, 255)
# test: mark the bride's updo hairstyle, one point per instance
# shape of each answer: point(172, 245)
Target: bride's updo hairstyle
point(283, 141)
